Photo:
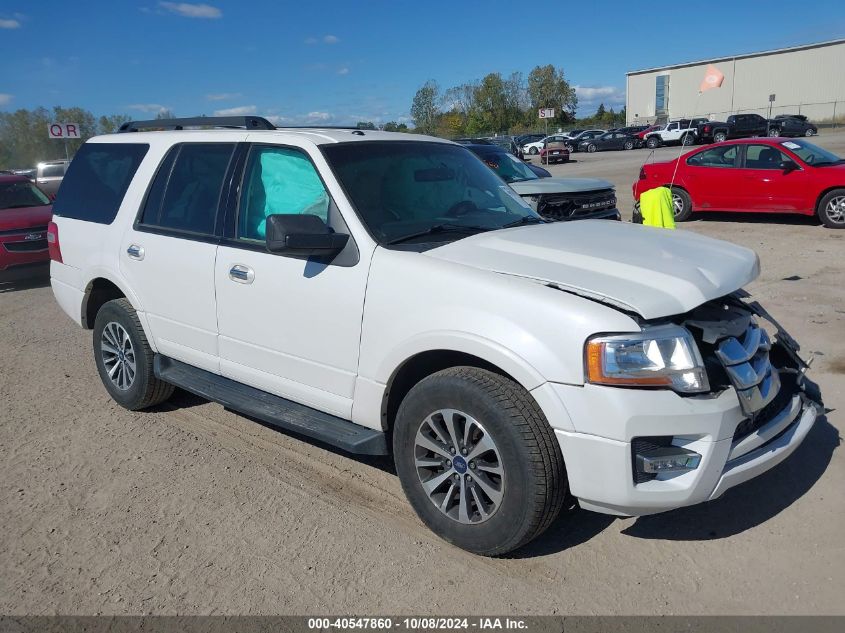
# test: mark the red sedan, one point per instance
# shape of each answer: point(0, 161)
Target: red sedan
point(25, 211)
point(766, 175)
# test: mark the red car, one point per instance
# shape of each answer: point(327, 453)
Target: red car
point(766, 175)
point(555, 153)
point(25, 211)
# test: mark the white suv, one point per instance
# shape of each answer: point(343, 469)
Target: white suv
point(389, 294)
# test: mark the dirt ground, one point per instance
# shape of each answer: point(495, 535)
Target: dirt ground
point(193, 509)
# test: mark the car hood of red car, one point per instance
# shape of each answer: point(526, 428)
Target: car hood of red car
point(25, 217)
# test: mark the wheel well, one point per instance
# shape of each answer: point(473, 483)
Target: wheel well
point(99, 292)
point(420, 366)
point(822, 195)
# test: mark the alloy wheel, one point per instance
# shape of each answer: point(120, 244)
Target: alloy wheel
point(677, 204)
point(835, 210)
point(459, 466)
point(118, 355)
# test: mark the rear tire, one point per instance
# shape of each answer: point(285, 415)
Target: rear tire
point(774, 132)
point(124, 358)
point(682, 204)
point(719, 137)
point(831, 209)
point(514, 439)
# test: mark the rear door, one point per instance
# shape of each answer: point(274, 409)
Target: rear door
point(168, 255)
point(713, 178)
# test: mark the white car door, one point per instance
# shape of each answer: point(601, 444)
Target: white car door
point(672, 133)
point(168, 255)
point(288, 326)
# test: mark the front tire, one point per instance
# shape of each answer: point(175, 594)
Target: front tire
point(533, 151)
point(687, 140)
point(653, 142)
point(478, 461)
point(831, 209)
point(124, 358)
point(591, 148)
point(809, 132)
point(774, 132)
point(628, 145)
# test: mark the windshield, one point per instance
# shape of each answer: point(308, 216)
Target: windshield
point(401, 188)
point(812, 154)
point(16, 195)
point(509, 168)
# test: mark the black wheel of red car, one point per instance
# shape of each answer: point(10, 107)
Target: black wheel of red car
point(628, 145)
point(831, 209)
point(682, 204)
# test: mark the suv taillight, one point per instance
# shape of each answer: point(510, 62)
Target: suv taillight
point(53, 246)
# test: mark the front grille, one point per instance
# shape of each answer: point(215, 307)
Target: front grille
point(745, 359)
point(566, 206)
point(26, 247)
point(34, 229)
point(749, 425)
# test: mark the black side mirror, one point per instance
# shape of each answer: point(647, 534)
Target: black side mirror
point(302, 236)
point(788, 166)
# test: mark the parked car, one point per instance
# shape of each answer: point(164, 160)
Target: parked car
point(25, 211)
point(534, 148)
point(608, 140)
point(771, 175)
point(49, 175)
point(555, 199)
point(737, 126)
point(682, 131)
point(573, 142)
point(389, 294)
point(791, 125)
point(633, 130)
point(523, 139)
point(555, 152)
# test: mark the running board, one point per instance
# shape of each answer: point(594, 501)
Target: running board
point(276, 411)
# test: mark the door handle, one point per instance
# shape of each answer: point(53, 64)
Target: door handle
point(135, 252)
point(242, 274)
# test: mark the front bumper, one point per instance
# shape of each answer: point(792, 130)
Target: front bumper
point(601, 423)
point(23, 248)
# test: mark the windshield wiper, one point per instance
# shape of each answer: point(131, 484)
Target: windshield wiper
point(441, 228)
point(526, 219)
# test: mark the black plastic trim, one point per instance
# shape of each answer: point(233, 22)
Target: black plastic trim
point(248, 122)
point(279, 412)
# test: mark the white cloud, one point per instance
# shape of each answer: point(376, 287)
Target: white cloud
point(237, 111)
point(5, 99)
point(10, 24)
point(343, 70)
point(588, 94)
point(331, 39)
point(318, 116)
point(191, 10)
point(148, 107)
point(311, 40)
point(223, 96)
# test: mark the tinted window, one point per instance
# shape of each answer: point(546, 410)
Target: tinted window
point(97, 179)
point(52, 171)
point(764, 157)
point(282, 181)
point(723, 156)
point(192, 190)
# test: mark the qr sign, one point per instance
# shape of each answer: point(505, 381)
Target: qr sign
point(63, 130)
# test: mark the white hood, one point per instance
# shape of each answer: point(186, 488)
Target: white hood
point(653, 272)
point(559, 185)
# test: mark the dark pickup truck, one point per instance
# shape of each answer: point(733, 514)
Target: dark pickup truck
point(737, 126)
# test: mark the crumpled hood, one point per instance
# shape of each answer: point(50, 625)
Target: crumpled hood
point(559, 185)
point(653, 272)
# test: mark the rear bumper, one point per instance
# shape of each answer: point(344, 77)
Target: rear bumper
point(601, 466)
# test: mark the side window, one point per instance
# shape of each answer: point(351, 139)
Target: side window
point(53, 171)
point(763, 157)
point(724, 156)
point(186, 191)
point(97, 180)
point(279, 180)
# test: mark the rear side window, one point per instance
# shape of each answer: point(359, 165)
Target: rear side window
point(97, 180)
point(52, 171)
point(185, 193)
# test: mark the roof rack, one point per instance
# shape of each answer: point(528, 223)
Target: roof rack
point(248, 122)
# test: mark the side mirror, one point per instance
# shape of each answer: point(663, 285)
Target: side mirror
point(788, 166)
point(302, 236)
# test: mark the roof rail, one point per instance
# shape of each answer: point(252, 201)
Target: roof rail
point(248, 122)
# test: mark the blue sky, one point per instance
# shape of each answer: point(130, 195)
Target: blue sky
point(340, 62)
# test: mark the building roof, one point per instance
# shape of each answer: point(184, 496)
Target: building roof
point(743, 56)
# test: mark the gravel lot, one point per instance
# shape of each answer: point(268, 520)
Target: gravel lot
point(193, 509)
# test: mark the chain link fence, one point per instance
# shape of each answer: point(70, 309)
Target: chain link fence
point(828, 114)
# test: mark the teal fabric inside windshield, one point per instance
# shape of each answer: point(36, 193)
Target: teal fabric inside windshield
point(279, 181)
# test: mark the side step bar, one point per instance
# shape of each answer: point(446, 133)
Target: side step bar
point(281, 413)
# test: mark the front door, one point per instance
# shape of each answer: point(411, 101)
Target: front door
point(288, 326)
point(712, 178)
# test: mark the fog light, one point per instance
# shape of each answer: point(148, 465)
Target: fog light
point(667, 459)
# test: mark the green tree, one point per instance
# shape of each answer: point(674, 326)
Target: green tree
point(547, 88)
point(424, 107)
point(164, 113)
point(366, 125)
point(393, 126)
point(110, 124)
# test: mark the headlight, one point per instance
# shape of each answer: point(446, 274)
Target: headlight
point(661, 356)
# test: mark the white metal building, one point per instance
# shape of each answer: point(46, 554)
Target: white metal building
point(808, 80)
